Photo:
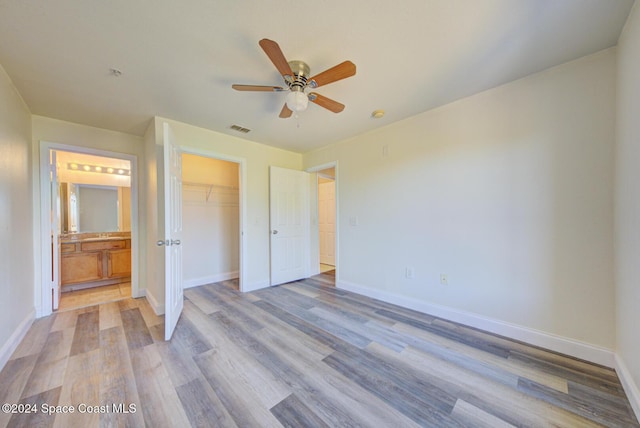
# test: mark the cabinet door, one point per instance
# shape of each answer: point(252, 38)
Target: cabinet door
point(81, 267)
point(119, 263)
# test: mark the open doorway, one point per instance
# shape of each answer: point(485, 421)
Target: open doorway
point(327, 219)
point(88, 207)
point(211, 221)
point(324, 255)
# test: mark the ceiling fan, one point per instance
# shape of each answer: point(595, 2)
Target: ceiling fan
point(296, 77)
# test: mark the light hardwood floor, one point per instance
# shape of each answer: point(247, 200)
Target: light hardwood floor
point(326, 268)
point(303, 354)
point(94, 296)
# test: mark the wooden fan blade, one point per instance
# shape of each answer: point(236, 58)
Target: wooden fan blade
point(325, 102)
point(276, 56)
point(339, 72)
point(285, 112)
point(258, 88)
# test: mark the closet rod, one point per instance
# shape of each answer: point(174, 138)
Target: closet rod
point(208, 187)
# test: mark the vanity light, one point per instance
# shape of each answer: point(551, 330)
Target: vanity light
point(98, 168)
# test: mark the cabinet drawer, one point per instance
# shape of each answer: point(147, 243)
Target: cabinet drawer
point(104, 245)
point(67, 248)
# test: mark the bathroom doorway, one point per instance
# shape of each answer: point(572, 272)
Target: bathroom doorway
point(94, 223)
point(89, 217)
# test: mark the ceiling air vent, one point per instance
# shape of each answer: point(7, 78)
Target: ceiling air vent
point(240, 129)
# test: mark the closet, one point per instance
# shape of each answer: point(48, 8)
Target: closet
point(210, 220)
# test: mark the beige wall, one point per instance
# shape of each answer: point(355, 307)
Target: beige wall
point(16, 234)
point(508, 192)
point(200, 169)
point(124, 213)
point(627, 204)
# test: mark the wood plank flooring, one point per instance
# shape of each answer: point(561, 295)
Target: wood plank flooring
point(303, 354)
point(94, 296)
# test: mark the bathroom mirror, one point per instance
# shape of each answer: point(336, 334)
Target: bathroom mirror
point(94, 208)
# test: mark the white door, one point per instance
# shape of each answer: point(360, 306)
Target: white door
point(289, 221)
point(327, 221)
point(55, 231)
point(173, 295)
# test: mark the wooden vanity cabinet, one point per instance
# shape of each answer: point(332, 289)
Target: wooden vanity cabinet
point(119, 263)
point(94, 263)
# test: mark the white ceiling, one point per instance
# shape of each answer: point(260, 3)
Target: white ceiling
point(179, 58)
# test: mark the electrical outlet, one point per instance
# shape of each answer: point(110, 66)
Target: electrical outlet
point(444, 279)
point(409, 273)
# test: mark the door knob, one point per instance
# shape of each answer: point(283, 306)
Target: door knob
point(160, 243)
point(176, 242)
point(275, 232)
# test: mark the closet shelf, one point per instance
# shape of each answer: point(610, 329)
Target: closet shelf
point(209, 187)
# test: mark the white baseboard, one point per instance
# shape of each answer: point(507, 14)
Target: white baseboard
point(564, 345)
point(157, 307)
point(629, 385)
point(211, 279)
point(14, 340)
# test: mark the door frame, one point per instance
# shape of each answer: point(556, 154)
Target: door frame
point(242, 196)
point(42, 293)
point(314, 254)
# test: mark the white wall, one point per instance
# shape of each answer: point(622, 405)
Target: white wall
point(16, 235)
point(210, 214)
point(628, 207)
point(256, 157)
point(72, 134)
point(152, 227)
point(508, 192)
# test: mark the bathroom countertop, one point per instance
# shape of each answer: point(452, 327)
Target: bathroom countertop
point(91, 237)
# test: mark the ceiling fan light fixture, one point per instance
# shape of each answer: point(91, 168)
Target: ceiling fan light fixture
point(297, 101)
point(297, 77)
